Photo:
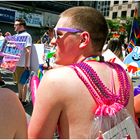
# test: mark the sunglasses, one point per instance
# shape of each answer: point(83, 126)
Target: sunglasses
point(68, 30)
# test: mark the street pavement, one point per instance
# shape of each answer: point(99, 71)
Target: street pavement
point(7, 76)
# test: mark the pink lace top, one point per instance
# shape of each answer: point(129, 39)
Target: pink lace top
point(108, 102)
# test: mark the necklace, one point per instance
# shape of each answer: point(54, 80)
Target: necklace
point(103, 93)
point(108, 103)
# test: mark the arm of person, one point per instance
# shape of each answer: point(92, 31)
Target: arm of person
point(137, 105)
point(27, 56)
point(28, 46)
point(47, 107)
point(13, 124)
point(134, 103)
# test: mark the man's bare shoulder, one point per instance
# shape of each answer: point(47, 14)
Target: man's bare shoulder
point(58, 72)
point(58, 80)
point(7, 94)
point(12, 115)
point(9, 101)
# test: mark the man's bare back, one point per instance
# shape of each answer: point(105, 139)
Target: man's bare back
point(70, 104)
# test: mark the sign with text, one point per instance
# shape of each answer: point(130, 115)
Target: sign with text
point(37, 56)
point(10, 51)
point(7, 15)
point(35, 20)
point(124, 130)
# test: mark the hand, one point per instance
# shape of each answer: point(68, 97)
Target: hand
point(27, 68)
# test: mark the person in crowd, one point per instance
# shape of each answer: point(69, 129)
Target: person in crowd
point(47, 36)
point(2, 83)
point(23, 65)
point(125, 50)
point(137, 107)
point(137, 97)
point(69, 95)
point(115, 46)
point(47, 50)
point(13, 123)
point(106, 43)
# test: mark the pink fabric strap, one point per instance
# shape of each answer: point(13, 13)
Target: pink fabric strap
point(108, 102)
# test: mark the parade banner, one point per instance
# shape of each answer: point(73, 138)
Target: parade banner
point(32, 19)
point(10, 51)
point(132, 61)
point(111, 57)
point(7, 15)
point(37, 56)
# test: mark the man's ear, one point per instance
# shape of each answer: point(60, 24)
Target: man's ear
point(85, 39)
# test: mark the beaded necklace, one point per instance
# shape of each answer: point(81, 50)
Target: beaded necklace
point(104, 95)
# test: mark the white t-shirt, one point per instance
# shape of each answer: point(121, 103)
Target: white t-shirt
point(28, 43)
point(1, 37)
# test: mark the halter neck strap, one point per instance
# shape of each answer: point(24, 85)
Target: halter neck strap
point(95, 58)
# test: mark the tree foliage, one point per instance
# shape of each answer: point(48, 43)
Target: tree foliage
point(120, 26)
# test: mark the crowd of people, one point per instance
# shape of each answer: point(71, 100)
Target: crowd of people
point(76, 98)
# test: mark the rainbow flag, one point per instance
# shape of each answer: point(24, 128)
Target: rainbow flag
point(135, 32)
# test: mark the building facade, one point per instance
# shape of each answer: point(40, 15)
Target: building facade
point(122, 8)
point(103, 7)
point(42, 14)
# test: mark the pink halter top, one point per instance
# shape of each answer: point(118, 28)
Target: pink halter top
point(108, 102)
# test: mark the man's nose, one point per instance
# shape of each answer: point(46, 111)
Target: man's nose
point(53, 42)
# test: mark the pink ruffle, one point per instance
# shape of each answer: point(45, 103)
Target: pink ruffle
point(108, 110)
